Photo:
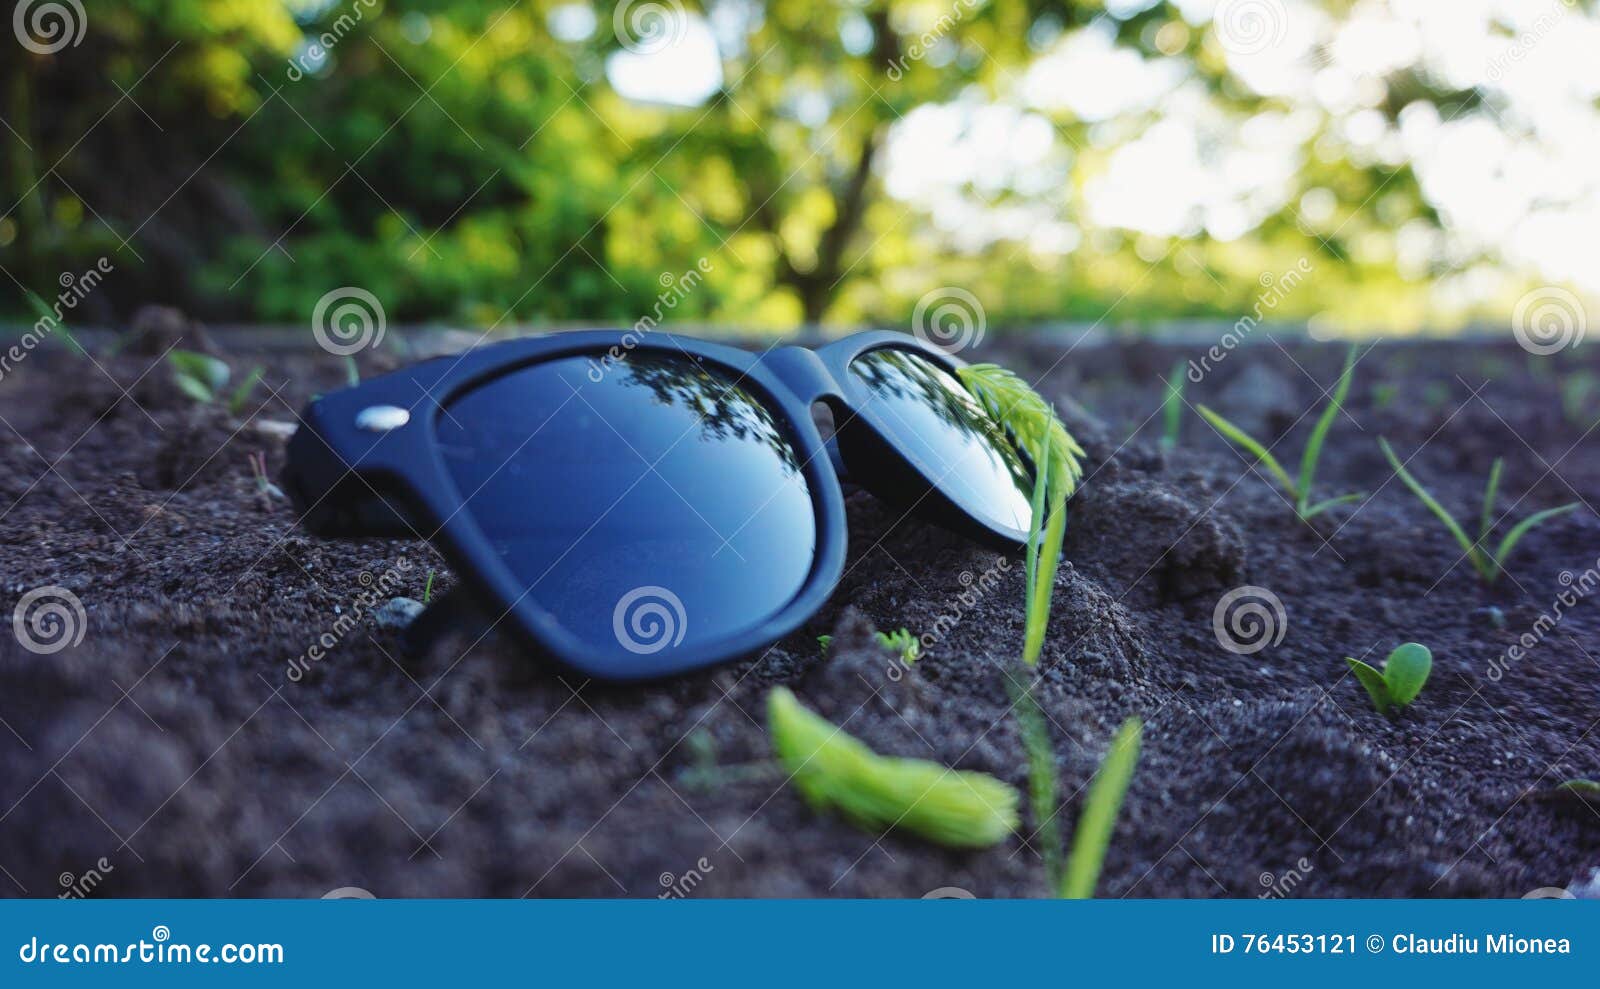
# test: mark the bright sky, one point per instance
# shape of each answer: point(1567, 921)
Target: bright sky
point(1520, 182)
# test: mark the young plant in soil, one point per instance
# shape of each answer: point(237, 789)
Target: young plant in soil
point(1075, 877)
point(835, 771)
point(1404, 673)
point(1489, 565)
point(203, 378)
point(1298, 488)
point(265, 489)
point(900, 642)
point(1100, 810)
point(1172, 406)
point(1058, 468)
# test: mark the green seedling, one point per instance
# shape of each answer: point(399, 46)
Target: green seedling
point(1100, 810)
point(1298, 489)
point(1058, 469)
point(203, 378)
point(46, 312)
point(835, 771)
point(706, 772)
point(1578, 391)
point(427, 589)
point(1043, 795)
point(1404, 673)
point(352, 373)
point(1172, 406)
point(1079, 874)
point(1489, 565)
point(258, 470)
point(900, 642)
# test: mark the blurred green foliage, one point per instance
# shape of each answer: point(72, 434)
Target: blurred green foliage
point(464, 164)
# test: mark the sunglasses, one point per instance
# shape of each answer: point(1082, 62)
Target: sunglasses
point(639, 506)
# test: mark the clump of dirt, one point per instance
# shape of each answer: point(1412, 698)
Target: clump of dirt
point(189, 745)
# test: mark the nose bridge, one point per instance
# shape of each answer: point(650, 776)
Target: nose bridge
point(803, 372)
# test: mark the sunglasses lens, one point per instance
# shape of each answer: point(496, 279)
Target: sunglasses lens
point(650, 505)
point(935, 424)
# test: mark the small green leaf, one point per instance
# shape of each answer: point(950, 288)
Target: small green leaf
point(1479, 561)
point(194, 388)
point(1406, 671)
point(1100, 809)
point(1323, 506)
point(903, 644)
point(200, 376)
point(1240, 437)
point(1377, 686)
point(1587, 789)
point(1521, 529)
point(241, 394)
point(1319, 434)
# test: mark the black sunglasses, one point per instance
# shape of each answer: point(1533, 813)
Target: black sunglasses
point(642, 505)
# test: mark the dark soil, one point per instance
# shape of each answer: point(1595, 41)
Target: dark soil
point(169, 754)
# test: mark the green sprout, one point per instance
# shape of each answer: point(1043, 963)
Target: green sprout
point(427, 589)
point(1577, 396)
point(900, 642)
point(352, 372)
point(706, 772)
point(203, 378)
point(835, 771)
point(1489, 565)
point(1077, 876)
point(1043, 795)
point(46, 312)
point(1404, 673)
point(1298, 489)
point(258, 470)
point(1172, 406)
point(1100, 810)
point(1058, 469)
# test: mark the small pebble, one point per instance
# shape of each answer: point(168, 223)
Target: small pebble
point(397, 613)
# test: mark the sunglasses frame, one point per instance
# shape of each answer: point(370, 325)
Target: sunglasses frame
point(366, 462)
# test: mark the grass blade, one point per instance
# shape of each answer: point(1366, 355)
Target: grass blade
point(1241, 438)
point(1510, 541)
point(241, 395)
point(1043, 795)
point(1041, 482)
point(1172, 407)
point(1490, 492)
point(1474, 554)
point(1100, 809)
point(1044, 578)
point(1323, 506)
point(1313, 452)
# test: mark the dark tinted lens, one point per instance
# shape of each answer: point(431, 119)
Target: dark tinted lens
point(938, 426)
point(651, 504)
